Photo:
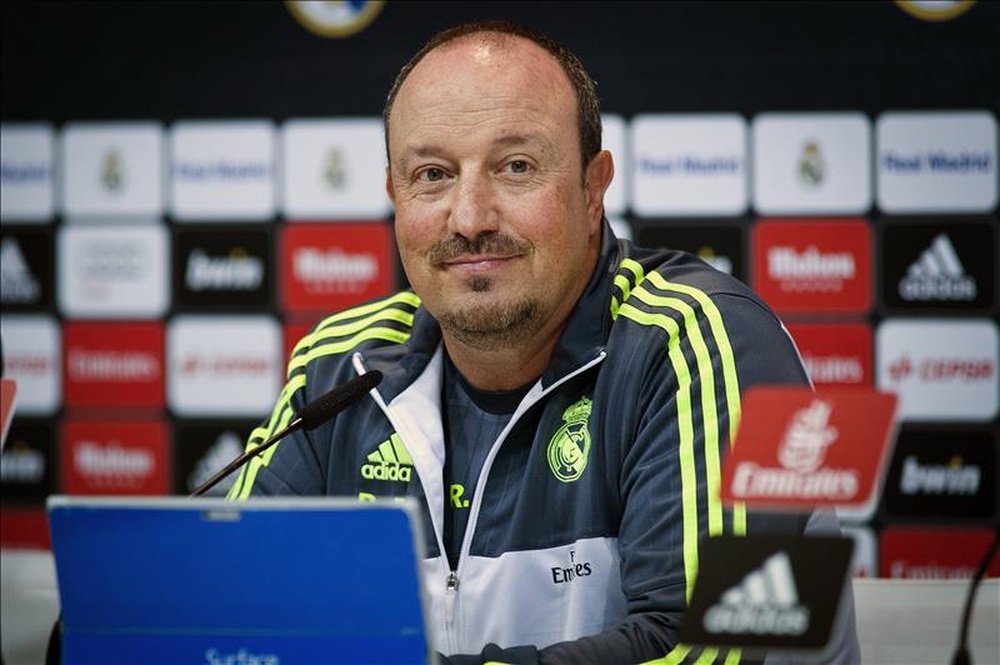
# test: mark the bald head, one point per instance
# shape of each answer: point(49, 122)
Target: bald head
point(493, 36)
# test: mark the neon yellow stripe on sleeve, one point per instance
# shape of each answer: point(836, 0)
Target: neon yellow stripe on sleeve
point(689, 483)
point(728, 368)
point(710, 416)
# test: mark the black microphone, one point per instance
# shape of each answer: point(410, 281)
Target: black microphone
point(313, 414)
point(962, 655)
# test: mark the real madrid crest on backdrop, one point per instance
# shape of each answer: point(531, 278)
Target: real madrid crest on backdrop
point(336, 19)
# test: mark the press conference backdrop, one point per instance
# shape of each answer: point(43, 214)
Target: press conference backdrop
point(187, 188)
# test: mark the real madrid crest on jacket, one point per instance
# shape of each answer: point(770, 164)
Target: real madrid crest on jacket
point(583, 527)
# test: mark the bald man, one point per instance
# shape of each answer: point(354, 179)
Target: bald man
point(557, 400)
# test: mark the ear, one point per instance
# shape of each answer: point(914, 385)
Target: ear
point(600, 171)
point(388, 186)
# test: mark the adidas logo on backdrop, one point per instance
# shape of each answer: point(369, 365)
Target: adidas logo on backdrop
point(937, 275)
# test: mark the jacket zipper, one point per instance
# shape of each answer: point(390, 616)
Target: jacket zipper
point(453, 579)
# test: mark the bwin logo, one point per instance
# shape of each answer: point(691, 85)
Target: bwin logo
point(390, 462)
point(765, 603)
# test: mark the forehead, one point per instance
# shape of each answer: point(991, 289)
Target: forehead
point(480, 78)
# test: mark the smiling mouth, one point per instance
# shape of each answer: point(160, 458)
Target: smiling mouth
point(478, 263)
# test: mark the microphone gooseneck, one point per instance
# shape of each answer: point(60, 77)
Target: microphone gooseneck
point(312, 415)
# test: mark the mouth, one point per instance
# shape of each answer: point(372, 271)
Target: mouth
point(478, 262)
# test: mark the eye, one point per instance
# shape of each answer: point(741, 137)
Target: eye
point(518, 166)
point(431, 174)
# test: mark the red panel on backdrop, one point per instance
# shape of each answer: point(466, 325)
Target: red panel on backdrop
point(101, 457)
point(835, 354)
point(327, 267)
point(819, 266)
point(25, 528)
point(113, 364)
point(922, 553)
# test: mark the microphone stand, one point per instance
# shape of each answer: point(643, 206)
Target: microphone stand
point(962, 655)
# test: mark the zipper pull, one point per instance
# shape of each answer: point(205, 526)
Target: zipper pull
point(451, 592)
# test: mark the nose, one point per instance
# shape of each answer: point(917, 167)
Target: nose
point(475, 206)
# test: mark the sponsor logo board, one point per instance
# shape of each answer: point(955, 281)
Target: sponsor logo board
point(113, 272)
point(718, 244)
point(798, 449)
point(813, 266)
point(835, 354)
point(222, 170)
point(939, 266)
point(223, 365)
point(32, 356)
point(25, 269)
point(27, 172)
point(767, 591)
point(114, 457)
point(222, 269)
point(688, 165)
point(112, 169)
point(811, 163)
point(926, 553)
point(942, 369)
point(331, 266)
point(947, 474)
point(28, 464)
point(202, 449)
point(114, 364)
point(334, 169)
point(936, 161)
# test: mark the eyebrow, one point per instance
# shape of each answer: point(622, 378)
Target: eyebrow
point(505, 141)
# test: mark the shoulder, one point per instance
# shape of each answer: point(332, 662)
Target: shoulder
point(387, 321)
point(668, 283)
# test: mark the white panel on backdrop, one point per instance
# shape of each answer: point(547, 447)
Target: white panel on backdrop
point(691, 165)
point(334, 169)
point(222, 170)
point(27, 172)
point(613, 138)
point(622, 229)
point(941, 369)
point(811, 163)
point(937, 161)
point(112, 169)
point(115, 272)
point(32, 356)
point(223, 365)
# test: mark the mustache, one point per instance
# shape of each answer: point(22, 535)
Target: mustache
point(489, 243)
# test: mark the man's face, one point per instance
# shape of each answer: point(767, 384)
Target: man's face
point(496, 229)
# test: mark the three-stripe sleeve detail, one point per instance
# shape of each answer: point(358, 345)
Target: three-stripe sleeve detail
point(703, 363)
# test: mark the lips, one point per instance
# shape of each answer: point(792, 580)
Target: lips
point(478, 263)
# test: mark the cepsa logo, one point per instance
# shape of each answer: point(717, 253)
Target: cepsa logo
point(100, 457)
point(835, 354)
point(331, 266)
point(941, 369)
point(813, 266)
point(114, 364)
point(928, 554)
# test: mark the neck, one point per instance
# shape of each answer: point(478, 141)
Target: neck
point(504, 368)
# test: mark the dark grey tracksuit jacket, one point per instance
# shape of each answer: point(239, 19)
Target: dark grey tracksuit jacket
point(583, 533)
